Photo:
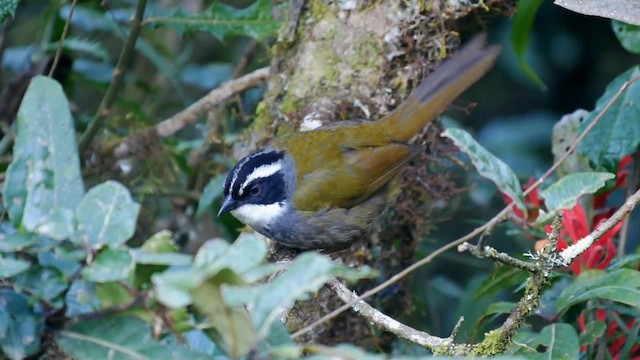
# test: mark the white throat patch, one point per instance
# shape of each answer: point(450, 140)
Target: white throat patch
point(258, 215)
point(263, 171)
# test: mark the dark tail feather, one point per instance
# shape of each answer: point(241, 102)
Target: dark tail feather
point(441, 88)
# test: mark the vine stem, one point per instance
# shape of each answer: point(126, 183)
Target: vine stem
point(97, 122)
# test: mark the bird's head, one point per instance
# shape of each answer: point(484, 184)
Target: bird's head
point(256, 190)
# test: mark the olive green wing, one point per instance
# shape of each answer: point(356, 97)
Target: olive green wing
point(348, 175)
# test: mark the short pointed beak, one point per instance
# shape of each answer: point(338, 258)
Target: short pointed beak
point(227, 205)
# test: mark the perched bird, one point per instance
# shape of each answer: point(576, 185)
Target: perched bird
point(321, 189)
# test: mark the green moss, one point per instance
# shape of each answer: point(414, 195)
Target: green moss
point(494, 343)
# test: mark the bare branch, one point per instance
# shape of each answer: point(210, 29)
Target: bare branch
point(573, 251)
point(178, 121)
point(386, 322)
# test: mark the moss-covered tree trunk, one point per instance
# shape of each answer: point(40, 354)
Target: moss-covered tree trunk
point(351, 59)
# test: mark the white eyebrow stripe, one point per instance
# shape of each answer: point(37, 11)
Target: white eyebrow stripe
point(262, 171)
point(241, 164)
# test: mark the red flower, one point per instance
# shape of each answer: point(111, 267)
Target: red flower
point(600, 201)
point(574, 227)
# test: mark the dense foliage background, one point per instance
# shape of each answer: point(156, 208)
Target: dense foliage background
point(112, 179)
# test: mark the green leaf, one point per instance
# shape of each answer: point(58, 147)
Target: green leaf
point(210, 193)
point(118, 338)
point(8, 8)
point(628, 35)
point(622, 286)
point(630, 261)
point(224, 21)
point(77, 45)
point(176, 259)
point(564, 193)
point(42, 282)
point(593, 331)
point(522, 25)
point(10, 266)
point(107, 215)
point(43, 183)
point(66, 266)
point(502, 307)
point(618, 132)
point(109, 265)
point(307, 273)
point(623, 10)
point(173, 288)
point(20, 328)
point(244, 254)
point(502, 278)
point(488, 165)
point(560, 340)
point(81, 299)
point(17, 242)
point(112, 294)
point(232, 327)
point(156, 255)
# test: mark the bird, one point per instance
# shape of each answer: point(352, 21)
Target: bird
point(322, 189)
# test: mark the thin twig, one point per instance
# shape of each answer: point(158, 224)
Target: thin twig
point(491, 253)
point(118, 76)
point(490, 224)
point(386, 322)
point(171, 125)
point(67, 24)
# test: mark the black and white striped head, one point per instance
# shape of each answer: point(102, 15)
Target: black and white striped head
point(256, 190)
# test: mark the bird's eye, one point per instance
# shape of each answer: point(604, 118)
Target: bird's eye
point(254, 190)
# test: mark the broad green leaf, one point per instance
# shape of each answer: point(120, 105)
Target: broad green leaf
point(42, 282)
point(630, 261)
point(109, 265)
point(502, 307)
point(173, 287)
point(628, 35)
point(232, 327)
point(78, 45)
point(107, 215)
point(112, 294)
point(10, 266)
point(522, 25)
point(593, 331)
point(504, 277)
point(67, 267)
point(244, 254)
point(623, 10)
point(167, 258)
point(224, 21)
point(160, 242)
point(210, 193)
point(564, 193)
point(8, 9)
point(17, 242)
point(156, 255)
point(488, 165)
point(43, 184)
point(621, 285)
point(560, 341)
point(81, 298)
point(307, 273)
point(20, 328)
point(118, 338)
point(618, 132)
